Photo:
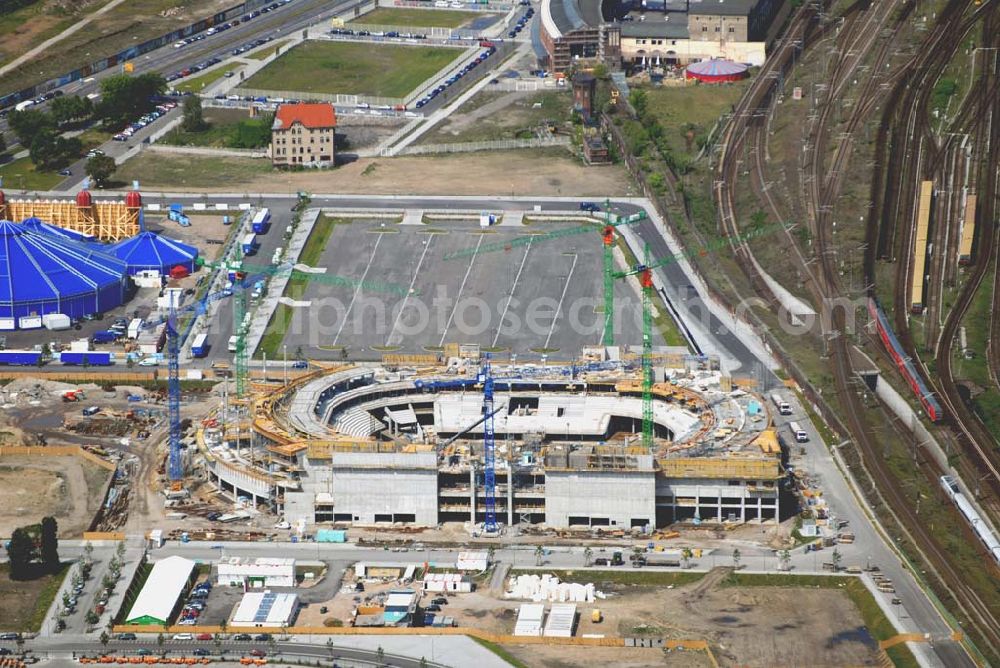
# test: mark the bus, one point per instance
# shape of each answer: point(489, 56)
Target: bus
point(199, 347)
point(783, 407)
point(261, 221)
point(798, 432)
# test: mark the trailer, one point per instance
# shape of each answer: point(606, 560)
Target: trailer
point(199, 347)
point(249, 244)
point(261, 221)
point(87, 357)
point(20, 357)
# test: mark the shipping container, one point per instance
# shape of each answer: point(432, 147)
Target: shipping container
point(261, 221)
point(199, 347)
point(20, 357)
point(56, 321)
point(134, 328)
point(249, 244)
point(90, 357)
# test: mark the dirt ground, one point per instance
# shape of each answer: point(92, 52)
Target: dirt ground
point(546, 172)
point(502, 115)
point(744, 626)
point(204, 227)
point(67, 488)
point(562, 656)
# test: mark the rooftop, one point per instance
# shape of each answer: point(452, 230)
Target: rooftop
point(310, 115)
point(163, 587)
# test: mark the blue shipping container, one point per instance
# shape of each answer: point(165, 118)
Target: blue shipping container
point(91, 357)
point(19, 357)
point(331, 536)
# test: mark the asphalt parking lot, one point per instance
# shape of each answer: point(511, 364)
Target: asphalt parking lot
point(542, 297)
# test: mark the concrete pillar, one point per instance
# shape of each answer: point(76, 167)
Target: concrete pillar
point(777, 507)
point(760, 509)
point(472, 494)
point(743, 509)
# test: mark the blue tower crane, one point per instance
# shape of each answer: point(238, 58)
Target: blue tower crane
point(175, 466)
point(489, 449)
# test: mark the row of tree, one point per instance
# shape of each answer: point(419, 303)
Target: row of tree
point(34, 550)
point(123, 99)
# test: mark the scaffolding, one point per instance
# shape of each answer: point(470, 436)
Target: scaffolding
point(107, 221)
point(731, 468)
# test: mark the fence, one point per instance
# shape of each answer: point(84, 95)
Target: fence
point(84, 377)
point(273, 96)
point(495, 145)
point(205, 150)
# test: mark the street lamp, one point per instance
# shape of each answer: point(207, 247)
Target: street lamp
point(284, 351)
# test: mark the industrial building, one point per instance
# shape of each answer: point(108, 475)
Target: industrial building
point(258, 573)
point(266, 610)
point(655, 32)
point(161, 594)
point(368, 446)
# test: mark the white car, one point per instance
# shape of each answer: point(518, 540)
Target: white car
point(183, 636)
point(457, 5)
point(178, 45)
point(440, 3)
point(149, 361)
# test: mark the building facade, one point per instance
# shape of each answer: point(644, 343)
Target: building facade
point(304, 134)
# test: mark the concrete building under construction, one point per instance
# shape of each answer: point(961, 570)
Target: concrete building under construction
point(365, 445)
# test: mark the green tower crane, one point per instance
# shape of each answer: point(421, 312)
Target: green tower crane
point(645, 273)
point(608, 238)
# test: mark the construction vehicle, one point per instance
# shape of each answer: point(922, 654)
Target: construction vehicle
point(595, 616)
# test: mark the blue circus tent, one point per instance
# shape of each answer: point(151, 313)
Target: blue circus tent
point(42, 273)
point(148, 250)
point(39, 225)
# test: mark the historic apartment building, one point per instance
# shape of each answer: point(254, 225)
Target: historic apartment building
point(303, 134)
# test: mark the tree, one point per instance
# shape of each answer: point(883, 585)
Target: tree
point(91, 617)
point(380, 656)
point(539, 553)
point(194, 120)
point(70, 108)
point(639, 101)
point(28, 123)
point(88, 552)
point(50, 545)
point(835, 558)
point(160, 639)
point(49, 150)
point(100, 168)
point(125, 98)
point(3, 143)
point(686, 555)
point(785, 557)
point(423, 662)
point(20, 553)
point(736, 558)
point(588, 556)
point(105, 638)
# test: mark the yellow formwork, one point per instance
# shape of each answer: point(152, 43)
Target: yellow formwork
point(108, 221)
point(721, 467)
point(768, 443)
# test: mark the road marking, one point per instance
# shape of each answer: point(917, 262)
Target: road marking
point(357, 290)
point(461, 288)
point(416, 272)
point(513, 287)
point(555, 318)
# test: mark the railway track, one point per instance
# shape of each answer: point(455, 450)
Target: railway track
point(823, 190)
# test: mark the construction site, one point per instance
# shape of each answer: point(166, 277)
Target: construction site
point(489, 445)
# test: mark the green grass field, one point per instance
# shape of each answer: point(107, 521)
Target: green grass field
point(423, 18)
point(352, 68)
point(152, 169)
point(25, 603)
point(266, 50)
point(22, 175)
point(197, 84)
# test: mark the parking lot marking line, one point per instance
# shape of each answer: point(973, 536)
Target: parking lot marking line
point(555, 318)
point(513, 287)
point(461, 288)
point(357, 290)
point(416, 272)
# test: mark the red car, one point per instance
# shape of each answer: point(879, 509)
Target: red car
point(257, 652)
point(204, 636)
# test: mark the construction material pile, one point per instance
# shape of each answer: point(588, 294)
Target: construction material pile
point(547, 587)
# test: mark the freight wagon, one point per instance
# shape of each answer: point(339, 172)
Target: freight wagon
point(90, 357)
point(20, 357)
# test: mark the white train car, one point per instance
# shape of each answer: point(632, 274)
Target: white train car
point(981, 528)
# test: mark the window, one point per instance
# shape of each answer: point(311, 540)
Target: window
point(704, 28)
point(732, 29)
point(718, 29)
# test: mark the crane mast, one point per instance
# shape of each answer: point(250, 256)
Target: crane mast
point(489, 450)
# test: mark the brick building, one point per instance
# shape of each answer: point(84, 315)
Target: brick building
point(303, 134)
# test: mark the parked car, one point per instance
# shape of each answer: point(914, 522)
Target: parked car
point(204, 636)
point(257, 652)
point(183, 636)
point(200, 651)
point(242, 637)
point(262, 637)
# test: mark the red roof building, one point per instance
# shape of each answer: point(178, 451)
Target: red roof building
point(303, 134)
